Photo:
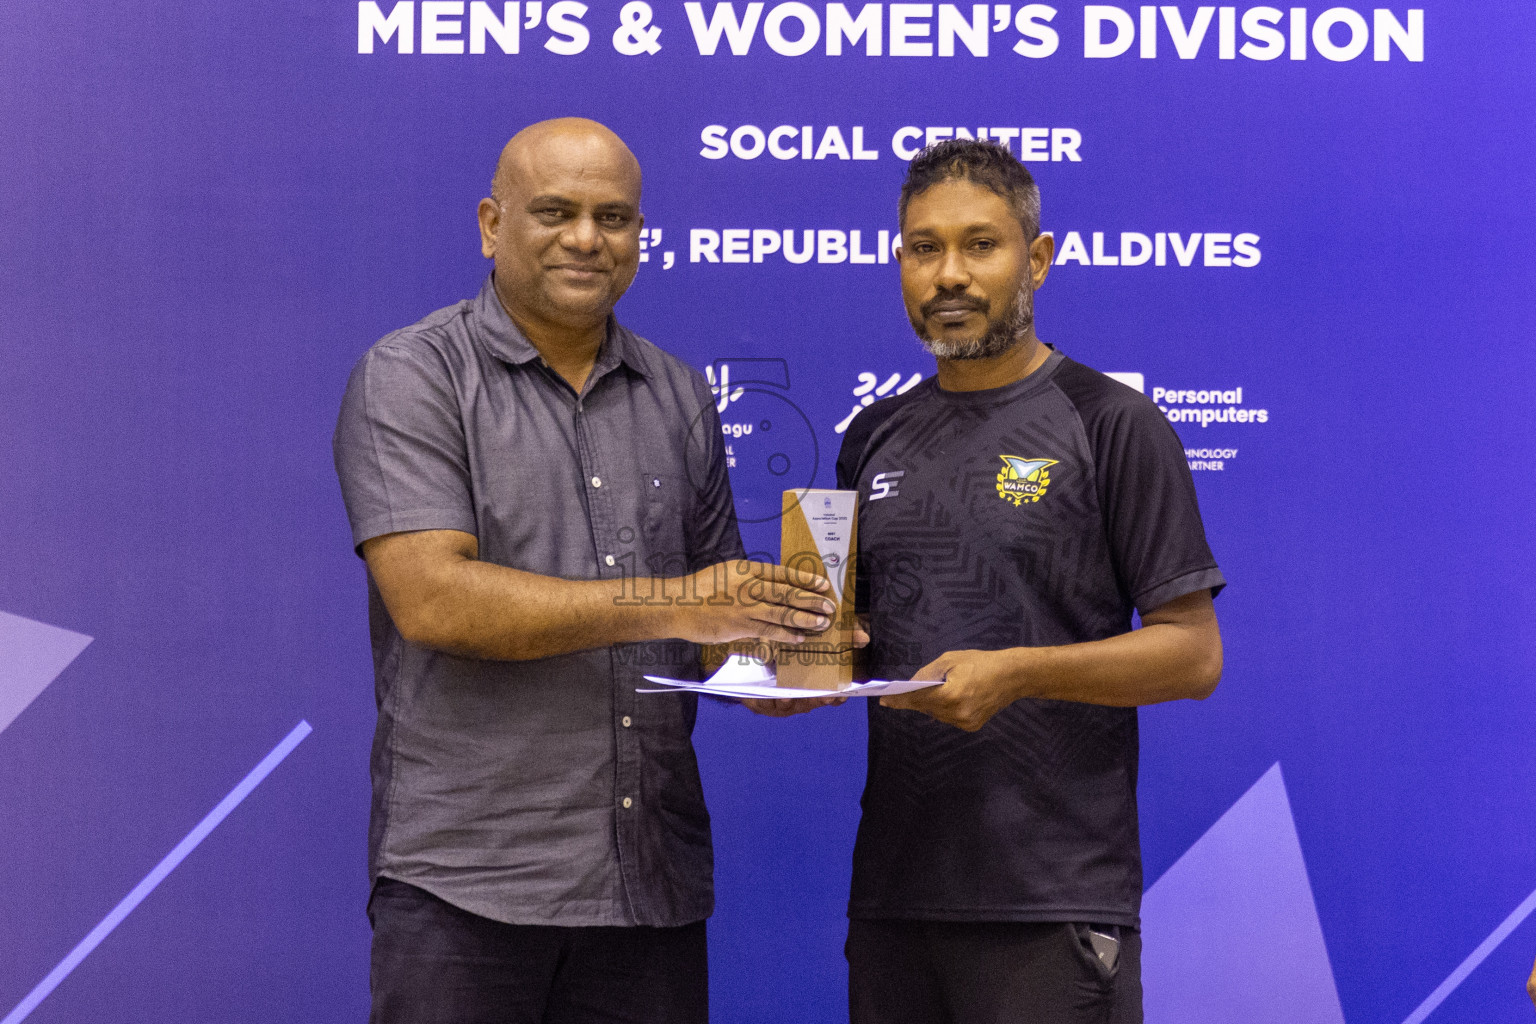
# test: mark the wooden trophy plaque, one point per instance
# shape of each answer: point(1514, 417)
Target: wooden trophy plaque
point(819, 534)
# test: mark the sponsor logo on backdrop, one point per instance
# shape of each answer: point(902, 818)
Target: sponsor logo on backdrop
point(1022, 480)
point(764, 430)
point(870, 388)
point(793, 29)
point(1203, 406)
point(1206, 406)
point(721, 387)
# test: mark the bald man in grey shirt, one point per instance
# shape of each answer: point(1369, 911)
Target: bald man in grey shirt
point(541, 499)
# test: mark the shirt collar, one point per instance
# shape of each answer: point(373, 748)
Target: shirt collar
point(508, 344)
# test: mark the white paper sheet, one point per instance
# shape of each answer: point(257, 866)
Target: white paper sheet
point(746, 676)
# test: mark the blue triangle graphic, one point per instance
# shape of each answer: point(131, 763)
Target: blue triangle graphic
point(1231, 930)
point(32, 654)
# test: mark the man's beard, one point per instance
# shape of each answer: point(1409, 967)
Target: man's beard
point(1001, 334)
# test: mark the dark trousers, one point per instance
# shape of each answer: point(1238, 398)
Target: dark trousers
point(931, 972)
point(436, 964)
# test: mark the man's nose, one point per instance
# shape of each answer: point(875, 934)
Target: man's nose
point(582, 235)
point(952, 275)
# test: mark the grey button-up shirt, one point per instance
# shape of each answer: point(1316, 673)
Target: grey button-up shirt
point(548, 791)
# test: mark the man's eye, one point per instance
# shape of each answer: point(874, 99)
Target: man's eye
point(614, 220)
point(984, 244)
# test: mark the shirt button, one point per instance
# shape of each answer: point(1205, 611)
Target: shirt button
point(628, 803)
point(609, 560)
point(627, 721)
point(597, 481)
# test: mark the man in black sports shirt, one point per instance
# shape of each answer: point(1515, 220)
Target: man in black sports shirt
point(1015, 511)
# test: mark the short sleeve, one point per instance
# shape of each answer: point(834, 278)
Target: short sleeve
point(1151, 515)
point(714, 535)
point(399, 445)
point(1145, 492)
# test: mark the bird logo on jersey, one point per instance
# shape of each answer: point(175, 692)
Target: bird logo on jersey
point(1022, 480)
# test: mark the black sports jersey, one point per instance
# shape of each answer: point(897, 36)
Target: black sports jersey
point(1035, 514)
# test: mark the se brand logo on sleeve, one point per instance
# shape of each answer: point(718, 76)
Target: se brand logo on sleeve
point(884, 485)
point(1022, 480)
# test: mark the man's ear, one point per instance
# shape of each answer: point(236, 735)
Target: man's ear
point(489, 213)
point(1041, 252)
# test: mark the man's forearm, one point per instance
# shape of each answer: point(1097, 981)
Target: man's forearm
point(442, 596)
point(481, 610)
point(1155, 663)
point(1176, 654)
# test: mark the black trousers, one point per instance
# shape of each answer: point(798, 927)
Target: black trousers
point(932, 972)
point(436, 964)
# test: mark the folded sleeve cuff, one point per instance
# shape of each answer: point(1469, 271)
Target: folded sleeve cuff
point(1201, 579)
point(412, 520)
